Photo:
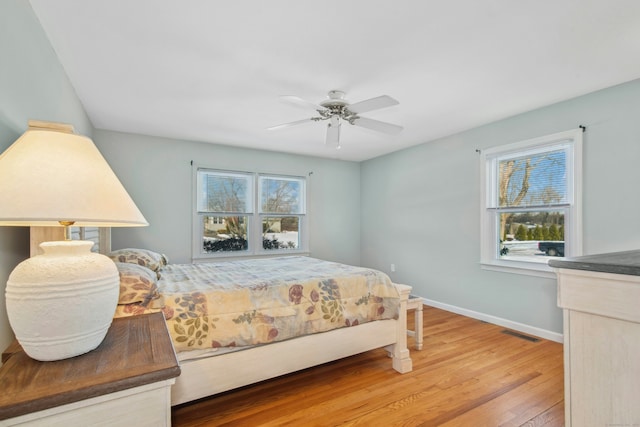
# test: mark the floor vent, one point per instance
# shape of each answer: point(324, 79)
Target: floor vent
point(519, 335)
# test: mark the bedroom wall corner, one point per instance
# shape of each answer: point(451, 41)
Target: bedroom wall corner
point(33, 85)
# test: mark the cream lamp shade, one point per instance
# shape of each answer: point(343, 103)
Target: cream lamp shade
point(51, 174)
point(60, 304)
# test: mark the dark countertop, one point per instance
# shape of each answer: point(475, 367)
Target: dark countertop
point(616, 262)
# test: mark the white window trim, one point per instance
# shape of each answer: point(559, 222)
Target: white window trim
point(255, 222)
point(573, 220)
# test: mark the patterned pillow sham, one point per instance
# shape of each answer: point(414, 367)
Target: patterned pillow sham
point(144, 257)
point(137, 284)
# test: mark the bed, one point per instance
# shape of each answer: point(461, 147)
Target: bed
point(235, 323)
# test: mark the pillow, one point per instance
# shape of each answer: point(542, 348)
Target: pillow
point(137, 284)
point(144, 257)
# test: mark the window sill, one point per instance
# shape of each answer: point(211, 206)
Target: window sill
point(537, 269)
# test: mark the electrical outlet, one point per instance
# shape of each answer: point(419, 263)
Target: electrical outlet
point(393, 268)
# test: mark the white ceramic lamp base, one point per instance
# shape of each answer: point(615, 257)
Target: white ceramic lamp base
point(60, 304)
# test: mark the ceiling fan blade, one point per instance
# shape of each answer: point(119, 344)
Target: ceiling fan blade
point(333, 134)
point(372, 104)
point(301, 102)
point(377, 125)
point(290, 124)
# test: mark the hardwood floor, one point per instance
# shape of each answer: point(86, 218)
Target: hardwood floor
point(469, 373)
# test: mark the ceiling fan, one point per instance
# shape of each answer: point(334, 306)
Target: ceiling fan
point(336, 110)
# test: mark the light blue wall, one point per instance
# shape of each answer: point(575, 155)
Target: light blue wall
point(157, 174)
point(421, 206)
point(33, 85)
point(418, 208)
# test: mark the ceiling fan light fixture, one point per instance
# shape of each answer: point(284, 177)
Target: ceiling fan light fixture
point(336, 107)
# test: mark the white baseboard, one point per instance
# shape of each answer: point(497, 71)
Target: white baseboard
point(521, 327)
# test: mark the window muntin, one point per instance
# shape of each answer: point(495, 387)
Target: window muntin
point(226, 224)
point(532, 194)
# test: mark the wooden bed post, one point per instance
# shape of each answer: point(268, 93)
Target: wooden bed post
point(399, 351)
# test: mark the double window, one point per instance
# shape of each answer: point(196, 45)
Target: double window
point(241, 213)
point(531, 202)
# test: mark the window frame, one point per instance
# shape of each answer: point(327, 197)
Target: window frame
point(489, 216)
point(254, 226)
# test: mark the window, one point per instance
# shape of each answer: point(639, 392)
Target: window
point(531, 203)
point(281, 209)
point(226, 221)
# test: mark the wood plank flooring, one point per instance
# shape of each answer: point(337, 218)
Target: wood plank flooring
point(469, 373)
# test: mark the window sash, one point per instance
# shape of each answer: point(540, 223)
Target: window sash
point(223, 192)
point(232, 242)
point(287, 239)
point(281, 195)
point(538, 153)
point(563, 215)
point(543, 189)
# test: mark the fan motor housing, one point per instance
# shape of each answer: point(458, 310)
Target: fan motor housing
point(336, 99)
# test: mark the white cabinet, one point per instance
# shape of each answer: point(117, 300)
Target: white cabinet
point(601, 347)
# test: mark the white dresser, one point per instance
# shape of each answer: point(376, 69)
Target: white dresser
point(600, 297)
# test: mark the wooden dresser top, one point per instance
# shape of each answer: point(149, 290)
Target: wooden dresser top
point(136, 351)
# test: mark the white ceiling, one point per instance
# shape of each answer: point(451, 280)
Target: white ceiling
point(213, 71)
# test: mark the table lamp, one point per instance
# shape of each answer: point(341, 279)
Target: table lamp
point(60, 304)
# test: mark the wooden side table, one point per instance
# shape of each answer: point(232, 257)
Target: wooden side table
point(415, 303)
point(125, 381)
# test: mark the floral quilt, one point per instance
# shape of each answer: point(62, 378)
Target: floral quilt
point(251, 302)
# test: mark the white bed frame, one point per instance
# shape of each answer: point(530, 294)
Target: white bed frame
point(211, 375)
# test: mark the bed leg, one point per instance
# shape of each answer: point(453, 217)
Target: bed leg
point(399, 352)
